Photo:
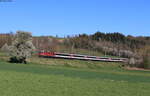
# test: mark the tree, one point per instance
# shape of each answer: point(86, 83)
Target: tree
point(5, 47)
point(145, 54)
point(21, 47)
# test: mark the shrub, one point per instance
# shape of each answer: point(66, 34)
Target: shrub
point(5, 47)
point(21, 47)
point(145, 54)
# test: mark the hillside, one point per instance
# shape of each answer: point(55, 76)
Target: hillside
point(44, 80)
point(59, 77)
point(137, 49)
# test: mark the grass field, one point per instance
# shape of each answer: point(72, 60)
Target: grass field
point(47, 79)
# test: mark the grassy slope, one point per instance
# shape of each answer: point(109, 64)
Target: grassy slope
point(45, 80)
point(42, 79)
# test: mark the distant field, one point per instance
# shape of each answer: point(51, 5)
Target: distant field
point(80, 51)
point(58, 77)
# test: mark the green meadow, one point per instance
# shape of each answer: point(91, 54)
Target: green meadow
point(58, 77)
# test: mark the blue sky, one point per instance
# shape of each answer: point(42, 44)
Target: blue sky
point(70, 17)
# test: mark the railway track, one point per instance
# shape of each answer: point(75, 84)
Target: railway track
point(79, 57)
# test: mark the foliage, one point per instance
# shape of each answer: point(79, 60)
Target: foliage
point(21, 47)
point(128, 41)
point(5, 48)
point(6, 38)
point(46, 43)
point(110, 43)
point(145, 54)
point(115, 44)
point(79, 41)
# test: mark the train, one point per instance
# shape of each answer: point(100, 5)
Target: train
point(79, 57)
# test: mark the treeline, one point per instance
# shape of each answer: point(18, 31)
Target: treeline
point(129, 41)
point(46, 43)
point(108, 39)
point(5, 38)
point(115, 44)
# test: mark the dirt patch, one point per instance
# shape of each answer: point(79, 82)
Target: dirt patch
point(134, 68)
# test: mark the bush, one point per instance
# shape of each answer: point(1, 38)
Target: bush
point(145, 54)
point(5, 47)
point(21, 47)
point(146, 62)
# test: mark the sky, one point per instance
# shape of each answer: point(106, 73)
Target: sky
point(71, 17)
